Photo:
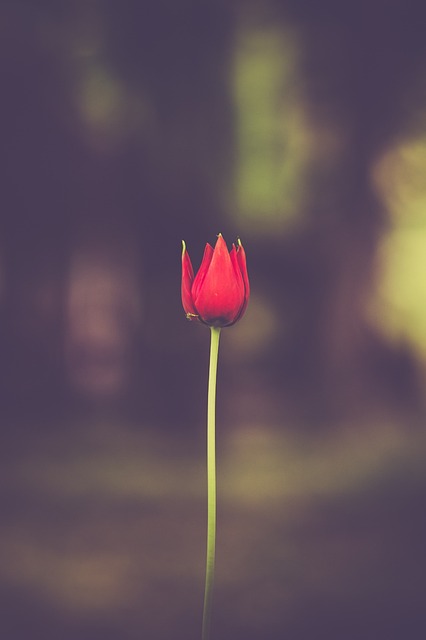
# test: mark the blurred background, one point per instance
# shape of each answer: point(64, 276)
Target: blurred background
point(129, 126)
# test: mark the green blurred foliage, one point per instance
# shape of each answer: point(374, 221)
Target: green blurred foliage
point(133, 127)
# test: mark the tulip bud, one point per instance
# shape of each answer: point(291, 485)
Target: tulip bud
point(219, 293)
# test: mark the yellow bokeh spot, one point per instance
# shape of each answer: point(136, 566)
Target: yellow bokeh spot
point(400, 305)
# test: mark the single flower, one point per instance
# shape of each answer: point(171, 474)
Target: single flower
point(219, 293)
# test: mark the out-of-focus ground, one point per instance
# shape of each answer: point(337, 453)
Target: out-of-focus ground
point(126, 127)
point(103, 529)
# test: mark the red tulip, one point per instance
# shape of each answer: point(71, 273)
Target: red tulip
point(218, 295)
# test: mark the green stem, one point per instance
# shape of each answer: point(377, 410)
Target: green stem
point(211, 482)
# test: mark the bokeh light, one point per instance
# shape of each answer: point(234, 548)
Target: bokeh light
point(399, 306)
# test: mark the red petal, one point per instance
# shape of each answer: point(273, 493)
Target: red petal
point(242, 263)
point(201, 274)
point(220, 294)
point(187, 280)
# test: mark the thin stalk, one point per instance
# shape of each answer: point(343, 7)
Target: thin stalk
point(211, 482)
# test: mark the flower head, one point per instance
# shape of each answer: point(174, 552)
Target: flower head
point(219, 293)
